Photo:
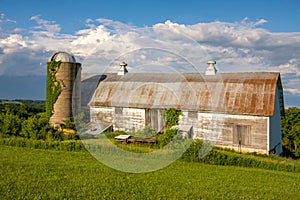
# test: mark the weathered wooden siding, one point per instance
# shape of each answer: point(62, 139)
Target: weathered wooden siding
point(258, 131)
point(121, 118)
point(189, 118)
point(236, 131)
point(102, 114)
point(223, 129)
point(129, 118)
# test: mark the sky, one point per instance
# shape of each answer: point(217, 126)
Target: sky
point(242, 36)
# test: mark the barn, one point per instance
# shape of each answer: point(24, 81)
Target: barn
point(239, 110)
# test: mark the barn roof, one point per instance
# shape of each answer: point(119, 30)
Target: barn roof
point(235, 93)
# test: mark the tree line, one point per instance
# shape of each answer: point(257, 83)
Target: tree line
point(291, 132)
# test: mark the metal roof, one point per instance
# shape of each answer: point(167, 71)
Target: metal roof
point(236, 93)
point(63, 57)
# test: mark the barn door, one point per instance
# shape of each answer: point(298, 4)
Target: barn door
point(154, 119)
point(241, 135)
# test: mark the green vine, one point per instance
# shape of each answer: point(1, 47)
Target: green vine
point(172, 116)
point(53, 86)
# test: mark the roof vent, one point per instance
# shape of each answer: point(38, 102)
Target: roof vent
point(122, 71)
point(211, 70)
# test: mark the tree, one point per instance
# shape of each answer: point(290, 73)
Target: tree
point(37, 127)
point(10, 123)
point(291, 132)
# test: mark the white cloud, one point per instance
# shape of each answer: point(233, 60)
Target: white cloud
point(114, 24)
point(12, 21)
point(239, 46)
point(246, 22)
point(45, 26)
point(4, 19)
point(293, 91)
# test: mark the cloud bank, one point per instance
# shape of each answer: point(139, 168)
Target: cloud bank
point(239, 46)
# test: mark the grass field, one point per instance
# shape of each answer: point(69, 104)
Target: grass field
point(48, 174)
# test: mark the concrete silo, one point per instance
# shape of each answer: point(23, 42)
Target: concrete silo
point(63, 92)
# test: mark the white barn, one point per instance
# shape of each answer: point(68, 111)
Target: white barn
point(237, 110)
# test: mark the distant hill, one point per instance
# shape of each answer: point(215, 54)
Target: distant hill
point(34, 106)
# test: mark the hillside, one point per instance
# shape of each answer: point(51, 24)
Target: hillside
point(45, 174)
point(34, 106)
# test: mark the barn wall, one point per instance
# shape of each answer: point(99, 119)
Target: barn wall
point(234, 131)
point(189, 118)
point(275, 144)
point(102, 114)
point(129, 118)
point(257, 125)
point(223, 129)
point(121, 118)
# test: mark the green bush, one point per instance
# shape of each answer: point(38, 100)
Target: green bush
point(10, 124)
point(172, 116)
point(145, 132)
point(111, 135)
point(218, 156)
point(192, 153)
point(166, 137)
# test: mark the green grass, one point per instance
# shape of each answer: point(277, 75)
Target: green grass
point(48, 174)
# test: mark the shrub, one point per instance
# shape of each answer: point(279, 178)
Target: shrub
point(145, 132)
point(166, 137)
point(218, 156)
point(111, 135)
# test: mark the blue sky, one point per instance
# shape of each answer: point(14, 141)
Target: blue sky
point(248, 35)
point(282, 15)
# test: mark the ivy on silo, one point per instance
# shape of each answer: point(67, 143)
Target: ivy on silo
point(53, 86)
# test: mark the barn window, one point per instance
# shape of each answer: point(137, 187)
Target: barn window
point(241, 134)
point(118, 111)
point(193, 114)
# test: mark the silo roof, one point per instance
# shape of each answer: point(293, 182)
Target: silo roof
point(63, 57)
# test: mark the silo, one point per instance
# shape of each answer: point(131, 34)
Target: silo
point(63, 92)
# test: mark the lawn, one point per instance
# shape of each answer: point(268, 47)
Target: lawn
point(49, 174)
